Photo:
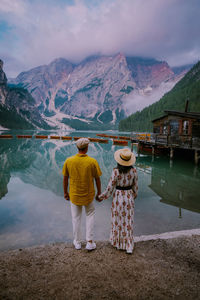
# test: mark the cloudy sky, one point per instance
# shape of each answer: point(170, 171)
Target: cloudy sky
point(34, 32)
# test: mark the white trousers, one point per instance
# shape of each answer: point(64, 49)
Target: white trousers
point(76, 211)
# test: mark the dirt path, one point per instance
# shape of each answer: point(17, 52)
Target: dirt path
point(160, 269)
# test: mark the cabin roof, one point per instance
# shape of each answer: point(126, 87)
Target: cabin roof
point(192, 115)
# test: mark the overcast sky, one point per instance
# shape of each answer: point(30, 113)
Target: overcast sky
point(35, 32)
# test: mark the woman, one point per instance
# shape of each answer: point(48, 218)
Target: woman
point(124, 186)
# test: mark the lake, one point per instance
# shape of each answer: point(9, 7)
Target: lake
point(33, 210)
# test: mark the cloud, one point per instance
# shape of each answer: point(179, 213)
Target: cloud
point(15, 7)
point(139, 100)
point(41, 31)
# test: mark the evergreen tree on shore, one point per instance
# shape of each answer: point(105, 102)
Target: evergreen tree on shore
point(187, 88)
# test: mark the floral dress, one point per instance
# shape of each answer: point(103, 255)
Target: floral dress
point(122, 210)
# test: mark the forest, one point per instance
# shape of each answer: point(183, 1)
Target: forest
point(188, 88)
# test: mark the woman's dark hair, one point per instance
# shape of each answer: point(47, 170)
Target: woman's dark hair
point(123, 169)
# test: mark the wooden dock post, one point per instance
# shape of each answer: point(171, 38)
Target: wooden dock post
point(196, 157)
point(171, 153)
point(153, 153)
point(180, 213)
point(138, 149)
point(131, 147)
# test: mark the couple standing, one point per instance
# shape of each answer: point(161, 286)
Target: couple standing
point(82, 170)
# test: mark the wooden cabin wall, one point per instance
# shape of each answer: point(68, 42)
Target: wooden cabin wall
point(168, 124)
point(196, 129)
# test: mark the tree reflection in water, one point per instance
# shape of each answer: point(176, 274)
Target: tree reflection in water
point(33, 210)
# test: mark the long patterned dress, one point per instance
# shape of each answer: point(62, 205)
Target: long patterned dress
point(122, 210)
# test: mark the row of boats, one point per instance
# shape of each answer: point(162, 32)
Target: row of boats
point(117, 140)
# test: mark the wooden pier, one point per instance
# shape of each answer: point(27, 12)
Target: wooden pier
point(174, 133)
point(159, 144)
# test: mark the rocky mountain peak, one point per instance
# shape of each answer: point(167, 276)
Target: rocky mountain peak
point(3, 84)
point(148, 71)
point(94, 90)
point(17, 106)
point(1, 64)
point(3, 78)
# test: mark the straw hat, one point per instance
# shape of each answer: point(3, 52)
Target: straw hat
point(82, 143)
point(124, 157)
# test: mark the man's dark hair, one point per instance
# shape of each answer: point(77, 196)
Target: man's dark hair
point(83, 149)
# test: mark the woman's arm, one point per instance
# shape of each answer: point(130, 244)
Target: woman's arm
point(135, 184)
point(110, 187)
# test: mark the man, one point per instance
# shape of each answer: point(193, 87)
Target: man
point(81, 170)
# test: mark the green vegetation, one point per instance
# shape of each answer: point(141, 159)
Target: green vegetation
point(11, 119)
point(19, 118)
point(106, 116)
point(80, 125)
point(127, 90)
point(187, 88)
point(49, 113)
point(61, 98)
point(96, 82)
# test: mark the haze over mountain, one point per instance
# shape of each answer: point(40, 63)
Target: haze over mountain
point(188, 88)
point(99, 91)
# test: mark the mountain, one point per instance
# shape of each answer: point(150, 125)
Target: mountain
point(17, 107)
point(187, 88)
point(96, 93)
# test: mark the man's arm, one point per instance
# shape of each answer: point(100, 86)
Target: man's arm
point(98, 184)
point(65, 187)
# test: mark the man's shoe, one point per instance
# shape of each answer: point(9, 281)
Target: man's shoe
point(90, 246)
point(77, 245)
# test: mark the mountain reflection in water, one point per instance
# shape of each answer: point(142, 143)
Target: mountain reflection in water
point(33, 210)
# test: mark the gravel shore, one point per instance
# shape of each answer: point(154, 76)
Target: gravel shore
point(157, 269)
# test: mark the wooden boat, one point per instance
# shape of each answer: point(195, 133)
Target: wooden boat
point(120, 143)
point(77, 138)
point(41, 136)
point(66, 138)
point(24, 136)
point(112, 136)
point(108, 136)
point(124, 138)
point(101, 134)
point(103, 141)
point(55, 137)
point(6, 136)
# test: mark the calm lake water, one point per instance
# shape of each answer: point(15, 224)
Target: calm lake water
point(33, 210)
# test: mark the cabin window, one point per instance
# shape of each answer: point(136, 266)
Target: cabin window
point(174, 125)
point(185, 126)
point(165, 129)
point(156, 129)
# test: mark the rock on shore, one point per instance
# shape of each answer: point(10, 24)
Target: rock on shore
point(157, 269)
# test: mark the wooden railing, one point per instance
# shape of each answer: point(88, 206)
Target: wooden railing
point(182, 141)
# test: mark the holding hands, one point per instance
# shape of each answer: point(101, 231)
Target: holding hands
point(98, 198)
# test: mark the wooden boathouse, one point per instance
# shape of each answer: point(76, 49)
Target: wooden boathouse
point(174, 132)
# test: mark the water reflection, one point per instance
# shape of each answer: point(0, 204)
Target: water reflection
point(177, 184)
point(39, 162)
point(33, 210)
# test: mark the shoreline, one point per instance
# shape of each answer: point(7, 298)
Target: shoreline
point(159, 268)
point(141, 238)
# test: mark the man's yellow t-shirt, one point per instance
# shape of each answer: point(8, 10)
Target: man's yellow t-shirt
point(81, 170)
